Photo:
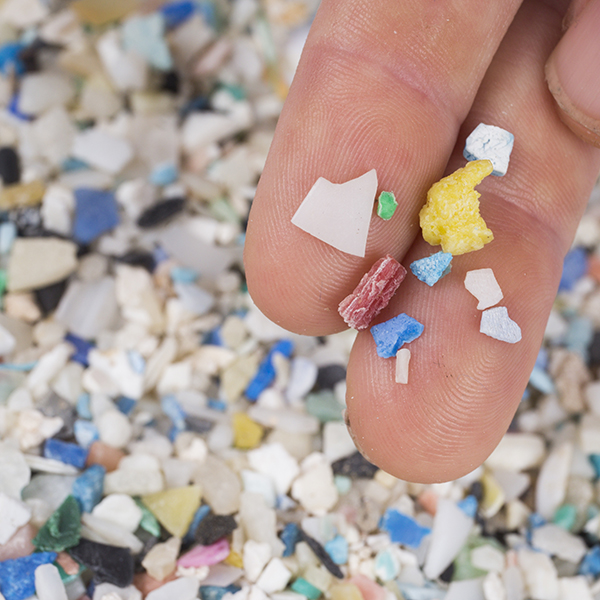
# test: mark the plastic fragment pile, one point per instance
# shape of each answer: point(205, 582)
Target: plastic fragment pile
point(159, 437)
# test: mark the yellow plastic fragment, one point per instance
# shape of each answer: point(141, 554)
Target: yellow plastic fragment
point(234, 560)
point(175, 508)
point(451, 216)
point(247, 433)
point(493, 496)
point(22, 194)
point(345, 591)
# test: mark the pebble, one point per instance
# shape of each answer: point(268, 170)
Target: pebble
point(37, 262)
point(339, 214)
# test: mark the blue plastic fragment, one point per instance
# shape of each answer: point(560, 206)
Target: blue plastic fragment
point(145, 35)
point(136, 361)
point(164, 175)
point(575, 266)
point(83, 406)
point(218, 405)
point(8, 234)
point(9, 58)
point(17, 575)
point(183, 275)
point(96, 212)
point(534, 520)
point(403, 529)
point(542, 359)
point(579, 336)
point(541, 381)
point(198, 516)
point(337, 548)
point(176, 13)
point(85, 432)
point(173, 410)
point(266, 371)
point(13, 108)
point(70, 454)
point(590, 565)
point(432, 268)
point(214, 337)
point(82, 348)
point(290, 536)
point(595, 460)
point(126, 405)
point(468, 505)
point(215, 592)
point(159, 255)
point(391, 335)
point(88, 487)
point(73, 164)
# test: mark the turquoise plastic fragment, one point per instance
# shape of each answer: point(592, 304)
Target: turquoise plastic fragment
point(432, 268)
point(565, 516)
point(301, 586)
point(390, 335)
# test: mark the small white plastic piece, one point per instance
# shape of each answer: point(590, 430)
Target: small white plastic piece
point(402, 360)
point(339, 214)
point(493, 143)
point(483, 285)
point(496, 323)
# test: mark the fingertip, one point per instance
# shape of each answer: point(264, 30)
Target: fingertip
point(572, 74)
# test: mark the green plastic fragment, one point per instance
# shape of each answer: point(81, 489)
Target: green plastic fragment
point(221, 210)
point(324, 406)
point(565, 516)
point(149, 522)
point(61, 530)
point(386, 205)
point(463, 568)
point(301, 586)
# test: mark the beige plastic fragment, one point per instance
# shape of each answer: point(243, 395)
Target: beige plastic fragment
point(402, 361)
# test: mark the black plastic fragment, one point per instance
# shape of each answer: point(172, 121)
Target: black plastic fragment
point(447, 574)
point(329, 375)
point(355, 466)
point(159, 213)
point(139, 258)
point(110, 564)
point(321, 554)
point(198, 424)
point(10, 165)
point(213, 528)
point(48, 297)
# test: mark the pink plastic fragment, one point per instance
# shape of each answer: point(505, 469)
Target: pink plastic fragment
point(368, 588)
point(373, 293)
point(205, 555)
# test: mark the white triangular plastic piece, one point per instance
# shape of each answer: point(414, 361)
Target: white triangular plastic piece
point(339, 214)
point(402, 360)
point(483, 285)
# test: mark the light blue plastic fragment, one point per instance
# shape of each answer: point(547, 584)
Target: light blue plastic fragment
point(403, 529)
point(173, 410)
point(391, 335)
point(343, 484)
point(387, 565)
point(541, 381)
point(432, 268)
point(198, 516)
point(492, 143)
point(145, 35)
point(183, 275)
point(411, 591)
point(88, 487)
point(83, 406)
point(85, 433)
point(136, 361)
point(8, 233)
point(164, 174)
point(579, 336)
point(337, 548)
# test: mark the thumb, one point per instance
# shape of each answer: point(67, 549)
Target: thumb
point(573, 75)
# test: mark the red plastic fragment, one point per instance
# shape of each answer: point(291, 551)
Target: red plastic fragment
point(373, 293)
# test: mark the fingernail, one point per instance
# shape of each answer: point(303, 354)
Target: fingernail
point(573, 74)
point(353, 435)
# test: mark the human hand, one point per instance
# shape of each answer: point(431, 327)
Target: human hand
point(397, 85)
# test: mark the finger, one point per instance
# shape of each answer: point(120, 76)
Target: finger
point(573, 75)
point(464, 387)
point(380, 85)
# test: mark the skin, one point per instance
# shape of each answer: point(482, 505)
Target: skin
point(397, 85)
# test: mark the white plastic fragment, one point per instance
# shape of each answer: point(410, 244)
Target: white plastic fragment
point(274, 461)
point(492, 143)
point(552, 480)
point(539, 573)
point(41, 91)
point(483, 285)
point(402, 362)
point(13, 514)
point(255, 556)
point(556, 541)
point(496, 323)
point(119, 509)
point(183, 588)
point(517, 452)
point(574, 588)
point(48, 584)
point(339, 214)
point(102, 150)
point(275, 577)
point(337, 442)
point(470, 589)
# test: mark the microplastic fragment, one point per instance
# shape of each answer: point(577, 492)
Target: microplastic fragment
point(373, 293)
point(483, 285)
point(339, 214)
point(432, 268)
point(390, 335)
point(386, 205)
point(402, 361)
point(451, 215)
point(491, 143)
point(496, 323)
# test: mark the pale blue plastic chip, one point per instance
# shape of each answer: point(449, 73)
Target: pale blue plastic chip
point(432, 268)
